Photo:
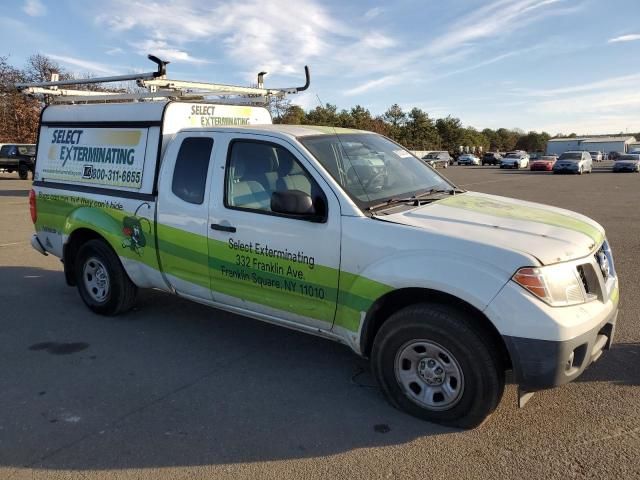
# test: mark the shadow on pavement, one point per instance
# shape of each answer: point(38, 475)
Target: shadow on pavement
point(174, 383)
point(619, 366)
point(14, 193)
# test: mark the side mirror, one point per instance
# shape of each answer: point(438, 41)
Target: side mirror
point(296, 203)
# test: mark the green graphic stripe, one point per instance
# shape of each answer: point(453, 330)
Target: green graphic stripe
point(198, 260)
point(516, 212)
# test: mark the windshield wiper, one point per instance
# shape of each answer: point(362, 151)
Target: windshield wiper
point(415, 199)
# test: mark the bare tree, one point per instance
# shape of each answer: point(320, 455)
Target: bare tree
point(19, 115)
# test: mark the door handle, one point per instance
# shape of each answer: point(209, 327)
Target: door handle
point(223, 228)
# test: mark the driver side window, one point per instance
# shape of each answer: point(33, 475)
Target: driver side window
point(255, 170)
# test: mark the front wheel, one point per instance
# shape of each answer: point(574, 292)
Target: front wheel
point(103, 284)
point(431, 364)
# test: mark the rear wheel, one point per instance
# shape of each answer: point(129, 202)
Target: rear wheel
point(433, 365)
point(103, 284)
point(23, 172)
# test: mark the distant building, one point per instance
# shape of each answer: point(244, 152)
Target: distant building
point(633, 147)
point(607, 144)
point(556, 146)
point(602, 144)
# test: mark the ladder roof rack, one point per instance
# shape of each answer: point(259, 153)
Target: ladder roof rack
point(155, 85)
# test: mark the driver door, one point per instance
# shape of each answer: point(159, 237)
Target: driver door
point(279, 265)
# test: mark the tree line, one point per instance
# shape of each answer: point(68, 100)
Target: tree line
point(415, 129)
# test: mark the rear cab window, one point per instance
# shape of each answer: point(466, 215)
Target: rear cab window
point(191, 168)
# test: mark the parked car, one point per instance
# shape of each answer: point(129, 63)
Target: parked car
point(491, 158)
point(574, 162)
point(438, 159)
point(596, 156)
point(468, 159)
point(19, 158)
point(629, 162)
point(545, 163)
point(515, 160)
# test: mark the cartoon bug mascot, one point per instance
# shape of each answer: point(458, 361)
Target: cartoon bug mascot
point(133, 232)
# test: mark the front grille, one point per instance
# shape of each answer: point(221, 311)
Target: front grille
point(590, 281)
point(583, 278)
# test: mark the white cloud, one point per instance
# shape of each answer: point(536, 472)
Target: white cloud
point(161, 49)
point(86, 66)
point(499, 18)
point(607, 84)
point(34, 8)
point(276, 36)
point(373, 13)
point(625, 38)
point(589, 125)
point(373, 84)
point(592, 104)
point(489, 61)
point(115, 51)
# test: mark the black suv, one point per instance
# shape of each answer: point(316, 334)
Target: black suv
point(491, 158)
point(18, 157)
point(438, 159)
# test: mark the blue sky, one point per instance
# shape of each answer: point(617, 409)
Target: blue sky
point(554, 65)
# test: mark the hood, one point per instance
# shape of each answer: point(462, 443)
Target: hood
point(544, 161)
point(569, 160)
point(511, 159)
point(627, 162)
point(547, 233)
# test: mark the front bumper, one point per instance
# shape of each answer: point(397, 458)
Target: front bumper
point(549, 346)
point(546, 168)
point(566, 170)
point(540, 364)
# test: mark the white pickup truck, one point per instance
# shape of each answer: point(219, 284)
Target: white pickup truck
point(335, 232)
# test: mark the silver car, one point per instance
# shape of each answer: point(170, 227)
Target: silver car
point(515, 160)
point(628, 162)
point(574, 162)
point(596, 156)
point(468, 159)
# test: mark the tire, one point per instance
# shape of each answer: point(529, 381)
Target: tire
point(23, 172)
point(103, 284)
point(467, 358)
point(580, 171)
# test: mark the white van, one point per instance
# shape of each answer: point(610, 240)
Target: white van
point(334, 232)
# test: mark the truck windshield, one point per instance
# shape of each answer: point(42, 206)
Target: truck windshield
point(372, 169)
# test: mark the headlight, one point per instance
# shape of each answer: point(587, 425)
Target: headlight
point(557, 285)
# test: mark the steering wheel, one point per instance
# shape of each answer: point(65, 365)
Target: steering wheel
point(373, 179)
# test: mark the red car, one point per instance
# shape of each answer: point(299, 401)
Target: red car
point(544, 163)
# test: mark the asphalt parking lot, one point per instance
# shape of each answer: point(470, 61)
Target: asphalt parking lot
point(176, 390)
